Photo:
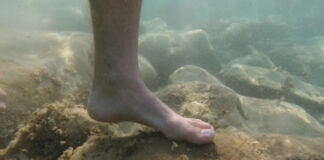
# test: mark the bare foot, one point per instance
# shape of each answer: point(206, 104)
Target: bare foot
point(3, 98)
point(118, 92)
point(134, 102)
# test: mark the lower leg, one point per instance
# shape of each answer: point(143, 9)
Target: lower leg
point(119, 93)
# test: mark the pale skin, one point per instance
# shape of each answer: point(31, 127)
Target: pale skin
point(119, 93)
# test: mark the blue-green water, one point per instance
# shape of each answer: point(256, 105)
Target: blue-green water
point(270, 54)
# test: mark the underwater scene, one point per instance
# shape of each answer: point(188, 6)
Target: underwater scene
point(252, 69)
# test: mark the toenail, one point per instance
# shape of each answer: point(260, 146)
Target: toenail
point(207, 132)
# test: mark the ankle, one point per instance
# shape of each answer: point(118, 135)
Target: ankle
point(117, 81)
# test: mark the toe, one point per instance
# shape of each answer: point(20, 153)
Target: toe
point(192, 130)
point(201, 136)
point(199, 123)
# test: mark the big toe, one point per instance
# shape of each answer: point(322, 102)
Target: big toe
point(199, 123)
point(199, 135)
point(200, 131)
point(192, 130)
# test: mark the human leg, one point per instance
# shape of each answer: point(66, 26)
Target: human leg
point(119, 93)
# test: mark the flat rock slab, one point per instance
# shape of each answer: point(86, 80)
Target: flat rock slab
point(273, 84)
point(274, 116)
point(226, 145)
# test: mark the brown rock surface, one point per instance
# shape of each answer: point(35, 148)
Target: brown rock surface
point(226, 145)
point(53, 130)
point(64, 131)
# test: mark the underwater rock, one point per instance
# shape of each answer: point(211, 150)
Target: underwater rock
point(28, 88)
point(233, 36)
point(155, 47)
point(169, 50)
point(57, 52)
point(213, 103)
point(147, 72)
point(253, 81)
point(188, 73)
point(304, 60)
point(153, 25)
point(196, 49)
point(265, 116)
point(145, 146)
point(64, 131)
point(273, 84)
point(275, 116)
point(32, 44)
point(227, 144)
point(255, 59)
point(38, 68)
point(53, 130)
point(246, 145)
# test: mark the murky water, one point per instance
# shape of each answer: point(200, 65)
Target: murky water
point(253, 69)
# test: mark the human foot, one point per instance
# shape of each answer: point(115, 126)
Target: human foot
point(134, 102)
point(3, 98)
point(118, 92)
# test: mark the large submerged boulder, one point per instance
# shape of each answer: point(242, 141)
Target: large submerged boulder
point(153, 25)
point(255, 59)
point(305, 60)
point(169, 50)
point(273, 84)
point(189, 73)
point(233, 37)
point(214, 103)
